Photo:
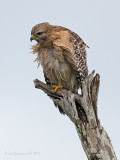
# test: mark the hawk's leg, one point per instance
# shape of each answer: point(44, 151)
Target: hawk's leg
point(56, 87)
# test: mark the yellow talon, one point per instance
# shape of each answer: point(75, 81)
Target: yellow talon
point(56, 87)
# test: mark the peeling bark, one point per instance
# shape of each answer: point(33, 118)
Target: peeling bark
point(82, 111)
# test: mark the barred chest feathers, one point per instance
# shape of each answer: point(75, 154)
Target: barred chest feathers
point(57, 69)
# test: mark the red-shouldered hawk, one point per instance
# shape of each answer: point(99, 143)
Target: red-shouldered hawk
point(62, 54)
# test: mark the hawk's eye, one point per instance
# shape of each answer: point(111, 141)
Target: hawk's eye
point(39, 33)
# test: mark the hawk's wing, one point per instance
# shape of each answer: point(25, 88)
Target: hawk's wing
point(80, 56)
point(74, 51)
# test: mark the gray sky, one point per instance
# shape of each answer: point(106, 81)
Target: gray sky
point(29, 122)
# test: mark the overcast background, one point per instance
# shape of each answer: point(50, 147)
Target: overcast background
point(31, 128)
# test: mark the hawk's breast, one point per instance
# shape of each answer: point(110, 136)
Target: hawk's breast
point(58, 69)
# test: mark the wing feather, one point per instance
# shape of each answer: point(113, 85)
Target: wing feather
point(80, 56)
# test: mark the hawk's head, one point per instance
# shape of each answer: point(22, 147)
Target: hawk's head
point(40, 31)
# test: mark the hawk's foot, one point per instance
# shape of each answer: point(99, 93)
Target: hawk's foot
point(56, 87)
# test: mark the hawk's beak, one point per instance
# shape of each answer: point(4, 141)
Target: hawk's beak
point(31, 38)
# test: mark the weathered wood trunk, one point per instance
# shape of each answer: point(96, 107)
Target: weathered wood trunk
point(82, 110)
